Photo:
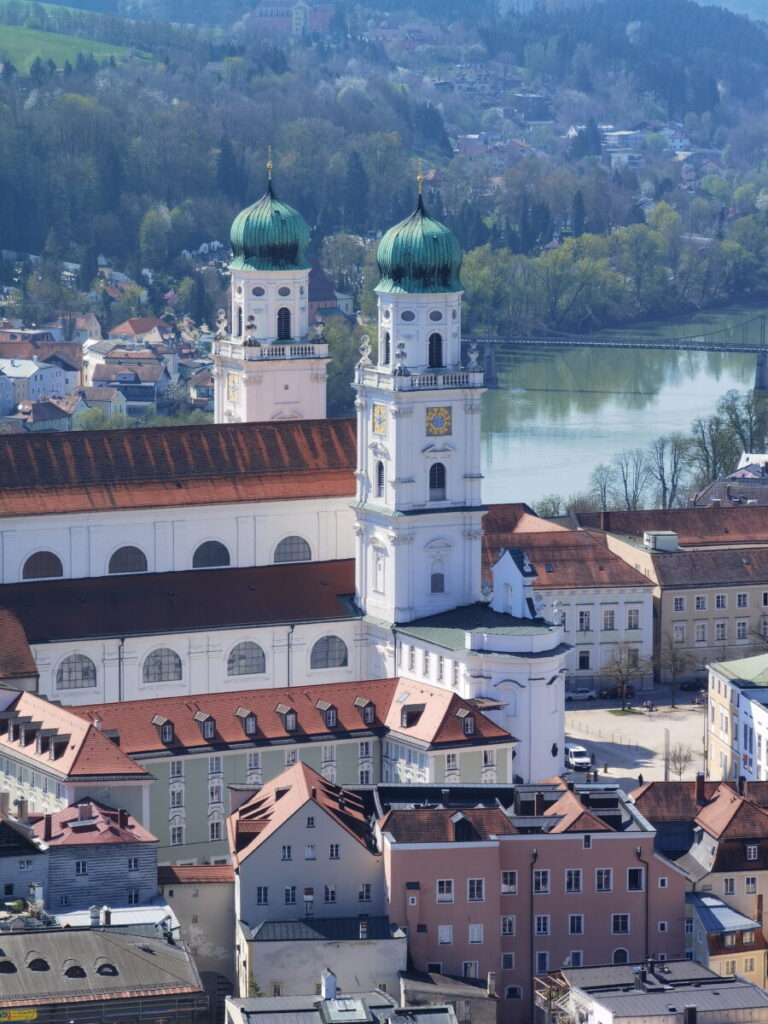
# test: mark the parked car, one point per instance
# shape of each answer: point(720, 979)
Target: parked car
point(614, 692)
point(582, 693)
point(577, 758)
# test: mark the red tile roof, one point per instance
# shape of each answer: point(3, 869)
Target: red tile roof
point(138, 325)
point(16, 659)
point(102, 826)
point(436, 825)
point(694, 526)
point(278, 800)
point(676, 801)
point(575, 816)
point(730, 816)
point(87, 752)
point(186, 465)
point(175, 602)
point(194, 874)
point(436, 724)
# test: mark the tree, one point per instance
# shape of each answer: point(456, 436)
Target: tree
point(674, 662)
point(602, 481)
point(578, 214)
point(96, 419)
point(625, 666)
point(680, 758)
point(632, 473)
point(668, 458)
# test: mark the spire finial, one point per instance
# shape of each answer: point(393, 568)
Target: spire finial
point(269, 163)
point(420, 179)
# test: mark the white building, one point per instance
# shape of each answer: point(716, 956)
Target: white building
point(31, 380)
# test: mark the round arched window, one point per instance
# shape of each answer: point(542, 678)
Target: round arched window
point(43, 565)
point(293, 549)
point(75, 672)
point(210, 554)
point(329, 652)
point(162, 666)
point(283, 291)
point(246, 659)
point(127, 559)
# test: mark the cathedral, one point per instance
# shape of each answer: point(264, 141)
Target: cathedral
point(135, 565)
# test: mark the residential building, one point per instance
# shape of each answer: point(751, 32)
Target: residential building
point(32, 379)
point(309, 877)
point(354, 733)
point(474, 1000)
point(110, 401)
point(331, 1004)
point(23, 857)
point(78, 974)
point(605, 605)
point(649, 990)
point(559, 873)
point(7, 394)
point(144, 383)
point(737, 718)
point(725, 940)
point(202, 897)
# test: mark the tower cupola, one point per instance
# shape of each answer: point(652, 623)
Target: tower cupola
point(269, 235)
point(419, 256)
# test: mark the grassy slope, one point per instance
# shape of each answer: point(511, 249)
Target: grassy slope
point(24, 44)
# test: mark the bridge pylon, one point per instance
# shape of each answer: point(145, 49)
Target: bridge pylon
point(491, 378)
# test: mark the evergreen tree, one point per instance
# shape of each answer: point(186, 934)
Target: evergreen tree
point(356, 194)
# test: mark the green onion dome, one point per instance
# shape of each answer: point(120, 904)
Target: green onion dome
point(419, 255)
point(270, 235)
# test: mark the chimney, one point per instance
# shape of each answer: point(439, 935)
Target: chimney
point(699, 787)
point(122, 818)
point(491, 984)
point(327, 984)
point(538, 804)
point(742, 785)
point(47, 828)
point(84, 811)
point(640, 976)
point(94, 912)
point(105, 917)
point(22, 811)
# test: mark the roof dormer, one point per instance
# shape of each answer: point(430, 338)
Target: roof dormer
point(410, 715)
point(366, 709)
point(164, 728)
point(329, 713)
point(206, 724)
point(288, 715)
point(467, 720)
point(248, 720)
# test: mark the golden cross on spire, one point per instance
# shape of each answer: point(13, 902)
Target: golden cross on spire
point(420, 179)
point(269, 163)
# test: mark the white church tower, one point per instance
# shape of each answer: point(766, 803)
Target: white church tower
point(268, 365)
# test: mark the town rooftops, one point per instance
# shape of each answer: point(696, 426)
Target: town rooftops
point(605, 978)
point(730, 816)
point(446, 825)
point(745, 673)
point(187, 465)
point(449, 629)
point(716, 916)
point(21, 367)
point(138, 325)
point(344, 1008)
point(280, 798)
point(16, 661)
point(88, 822)
point(710, 566)
point(174, 602)
point(694, 526)
point(436, 723)
point(195, 874)
point(329, 929)
point(85, 965)
point(59, 741)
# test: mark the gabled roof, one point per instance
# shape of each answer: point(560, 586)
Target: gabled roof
point(575, 817)
point(730, 816)
point(187, 465)
point(712, 566)
point(676, 801)
point(195, 874)
point(694, 526)
point(16, 659)
point(137, 325)
point(438, 824)
point(746, 673)
point(437, 723)
point(277, 801)
point(150, 373)
point(102, 825)
point(174, 602)
point(86, 752)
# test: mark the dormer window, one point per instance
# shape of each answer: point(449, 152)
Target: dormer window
point(250, 724)
point(288, 716)
point(468, 721)
point(247, 720)
point(206, 723)
point(369, 714)
point(410, 714)
point(165, 728)
point(752, 851)
point(329, 713)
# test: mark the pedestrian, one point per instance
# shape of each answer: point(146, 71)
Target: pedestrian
point(640, 779)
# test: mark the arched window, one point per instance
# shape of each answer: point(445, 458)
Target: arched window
point(513, 992)
point(435, 350)
point(378, 572)
point(37, 963)
point(127, 559)
point(437, 578)
point(210, 554)
point(246, 659)
point(74, 672)
point(43, 565)
point(75, 971)
point(8, 967)
point(437, 482)
point(329, 652)
point(385, 349)
point(107, 970)
point(620, 956)
point(293, 549)
point(283, 324)
point(239, 322)
point(162, 666)
point(379, 479)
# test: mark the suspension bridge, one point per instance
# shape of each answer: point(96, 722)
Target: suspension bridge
point(748, 336)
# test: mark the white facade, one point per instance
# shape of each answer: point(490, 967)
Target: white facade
point(269, 369)
point(31, 380)
point(84, 542)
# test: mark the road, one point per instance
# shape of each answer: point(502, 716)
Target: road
point(633, 744)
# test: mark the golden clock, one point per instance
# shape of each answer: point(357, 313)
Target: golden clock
point(439, 420)
point(233, 387)
point(379, 417)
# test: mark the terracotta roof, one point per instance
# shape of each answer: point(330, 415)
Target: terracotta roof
point(174, 602)
point(512, 517)
point(565, 559)
point(16, 659)
point(91, 394)
point(187, 465)
point(195, 874)
point(149, 373)
point(712, 567)
point(575, 816)
point(137, 325)
point(730, 816)
point(725, 525)
point(102, 825)
point(436, 824)
point(44, 411)
point(278, 800)
point(676, 801)
point(84, 750)
point(437, 723)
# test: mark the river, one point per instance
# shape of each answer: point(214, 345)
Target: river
point(557, 413)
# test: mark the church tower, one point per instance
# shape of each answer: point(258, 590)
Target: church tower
point(418, 508)
point(268, 366)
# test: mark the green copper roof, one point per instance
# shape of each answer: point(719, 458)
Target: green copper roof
point(270, 235)
point(418, 256)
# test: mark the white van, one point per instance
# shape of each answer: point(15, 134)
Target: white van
point(577, 758)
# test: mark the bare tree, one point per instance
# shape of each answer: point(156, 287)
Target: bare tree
point(668, 460)
point(714, 448)
point(745, 415)
point(674, 662)
point(625, 666)
point(632, 476)
point(680, 758)
point(602, 481)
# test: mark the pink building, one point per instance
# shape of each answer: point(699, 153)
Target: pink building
point(566, 875)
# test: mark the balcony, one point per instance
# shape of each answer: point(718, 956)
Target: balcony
point(436, 380)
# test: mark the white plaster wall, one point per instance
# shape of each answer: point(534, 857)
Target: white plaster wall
point(251, 531)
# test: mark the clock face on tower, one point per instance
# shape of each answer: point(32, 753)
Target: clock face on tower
point(439, 420)
point(379, 417)
point(233, 387)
